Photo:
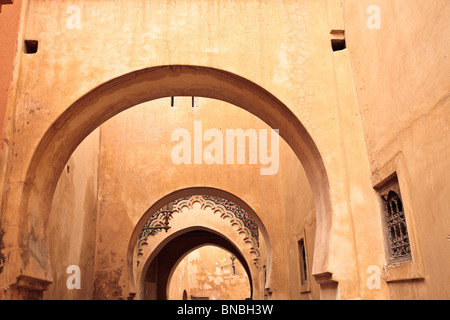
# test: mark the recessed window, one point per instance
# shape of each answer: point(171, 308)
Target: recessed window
point(396, 230)
point(302, 262)
point(399, 246)
point(31, 46)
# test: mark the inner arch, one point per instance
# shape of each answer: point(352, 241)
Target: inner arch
point(225, 279)
point(169, 255)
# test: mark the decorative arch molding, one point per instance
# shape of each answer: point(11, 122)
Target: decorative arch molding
point(226, 209)
point(231, 230)
point(224, 218)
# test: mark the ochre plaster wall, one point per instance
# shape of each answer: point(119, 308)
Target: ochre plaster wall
point(402, 81)
point(9, 29)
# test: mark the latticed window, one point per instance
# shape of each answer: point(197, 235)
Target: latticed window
point(399, 246)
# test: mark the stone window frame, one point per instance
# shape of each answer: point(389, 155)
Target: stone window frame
point(382, 179)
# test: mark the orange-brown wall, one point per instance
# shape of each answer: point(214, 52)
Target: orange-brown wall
point(9, 28)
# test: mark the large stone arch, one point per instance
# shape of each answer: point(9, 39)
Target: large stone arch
point(119, 94)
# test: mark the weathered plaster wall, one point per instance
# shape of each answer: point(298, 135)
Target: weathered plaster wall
point(9, 29)
point(210, 275)
point(401, 73)
point(72, 225)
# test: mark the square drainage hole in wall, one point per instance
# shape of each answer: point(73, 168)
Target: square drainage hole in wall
point(31, 46)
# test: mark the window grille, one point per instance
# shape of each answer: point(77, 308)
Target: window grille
point(399, 245)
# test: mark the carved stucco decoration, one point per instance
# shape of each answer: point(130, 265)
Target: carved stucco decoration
point(227, 209)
